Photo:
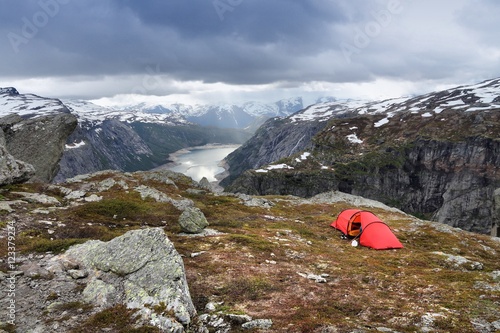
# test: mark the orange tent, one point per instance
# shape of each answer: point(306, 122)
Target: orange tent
point(367, 227)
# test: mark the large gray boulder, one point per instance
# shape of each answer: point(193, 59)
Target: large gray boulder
point(11, 170)
point(192, 220)
point(39, 140)
point(141, 269)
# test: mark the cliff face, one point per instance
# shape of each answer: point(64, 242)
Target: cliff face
point(440, 162)
point(110, 145)
point(117, 145)
point(11, 170)
point(277, 138)
point(38, 140)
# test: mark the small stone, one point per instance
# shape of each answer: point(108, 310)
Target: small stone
point(210, 307)
point(75, 195)
point(196, 254)
point(78, 273)
point(239, 319)
point(92, 198)
point(258, 324)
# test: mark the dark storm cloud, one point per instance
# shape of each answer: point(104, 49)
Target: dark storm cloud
point(248, 41)
point(253, 41)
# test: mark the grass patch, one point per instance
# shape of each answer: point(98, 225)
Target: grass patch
point(116, 319)
point(252, 242)
point(109, 210)
point(42, 245)
point(247, 289)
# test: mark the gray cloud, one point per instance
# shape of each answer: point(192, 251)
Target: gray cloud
point(248, 41)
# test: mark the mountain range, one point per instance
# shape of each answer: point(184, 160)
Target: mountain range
point(437, 154)
point(244, 115)
point(130, 138)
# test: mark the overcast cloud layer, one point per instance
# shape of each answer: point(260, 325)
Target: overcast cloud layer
point(229, 50)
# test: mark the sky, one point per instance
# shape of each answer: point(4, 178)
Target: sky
point(118, 52)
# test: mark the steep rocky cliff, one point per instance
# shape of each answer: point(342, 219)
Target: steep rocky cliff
point(117, 145)
point(276, 139)
point(62, 140)
point(436, 155)
point(35, 130)
point(11, 170)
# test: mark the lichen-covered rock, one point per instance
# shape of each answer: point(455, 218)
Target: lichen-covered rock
point(141, 269)
point(39, 141)
point(148, 192)
point(193, 221)
point(13, 171)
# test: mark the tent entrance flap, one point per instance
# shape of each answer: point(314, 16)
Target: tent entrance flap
point(353, 228)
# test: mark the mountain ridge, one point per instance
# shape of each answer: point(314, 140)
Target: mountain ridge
point(432, 154)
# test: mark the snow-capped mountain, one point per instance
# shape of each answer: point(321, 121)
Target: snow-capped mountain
point(28, 105)
point(95, 114)
point(224, 115)
point(478, 97)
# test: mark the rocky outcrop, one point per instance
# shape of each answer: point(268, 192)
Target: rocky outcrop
point(11, 170)
point(38, 141)
point(141, 269)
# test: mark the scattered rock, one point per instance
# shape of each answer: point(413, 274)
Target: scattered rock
point(38, 198)
point(163, 176)
point(238, 319)
point(264, 324)
point(196, 254)
point(6, 205)
point(193, 221)
point(316, 278)
point(148, 192)
point(210, 307)
point(428, 320)
point(205, 233)
point(92, 198)
point(33, 270)
point(74, 195)
point(461, 262)
point(78, 273)
point(252, 201)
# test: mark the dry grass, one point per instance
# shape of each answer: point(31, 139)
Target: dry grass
point(253, 267)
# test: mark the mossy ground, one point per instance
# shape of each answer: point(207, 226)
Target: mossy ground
point(254, 266)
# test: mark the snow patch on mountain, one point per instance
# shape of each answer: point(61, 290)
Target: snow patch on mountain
point(95, 114)
point(483, 96)
point(28, 105)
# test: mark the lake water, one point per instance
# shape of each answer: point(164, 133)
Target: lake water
point(199, 162)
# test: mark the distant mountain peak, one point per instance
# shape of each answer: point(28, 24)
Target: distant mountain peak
point(9, 90)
